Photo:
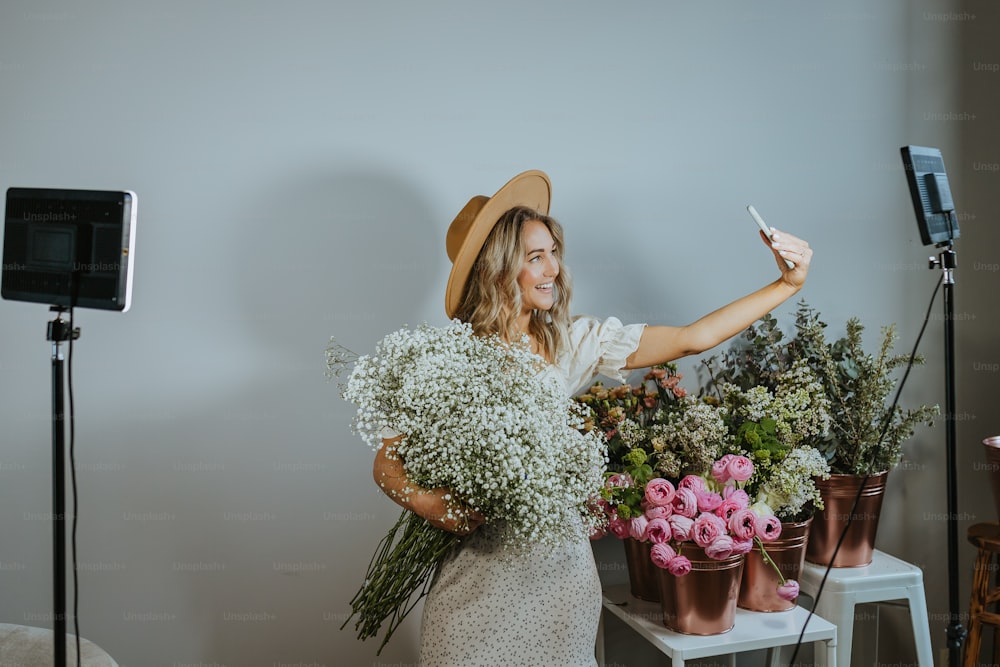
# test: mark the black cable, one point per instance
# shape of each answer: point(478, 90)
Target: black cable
point(72, 470)
point(875, 452)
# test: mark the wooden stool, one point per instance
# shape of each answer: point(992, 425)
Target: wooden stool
point(986, 538)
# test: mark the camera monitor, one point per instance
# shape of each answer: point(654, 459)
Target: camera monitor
point(70, 248)
point(931, 194)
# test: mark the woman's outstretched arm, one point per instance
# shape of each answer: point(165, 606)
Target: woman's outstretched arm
point(660, 344)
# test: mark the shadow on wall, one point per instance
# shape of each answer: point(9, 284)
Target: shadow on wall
point(358, 249)
point(249, 517)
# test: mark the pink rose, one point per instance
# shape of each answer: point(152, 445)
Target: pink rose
point(681, 526)
point(658, 531)
point(685, 502)
point(618, 527)
point(741, 547)
point(637, 527)
point(740, 468)
point(720, 469)
point(789, 590)
point(726, 508)
point(655, 512)
point(721, 548)
point(659, 492)
point(708, 501)
point(618, 480)
point(707, 529)
point(679, 566)
point(661, 555)
point(693, 482)
point(743, 524)
point(739, 495)
point(768, 528)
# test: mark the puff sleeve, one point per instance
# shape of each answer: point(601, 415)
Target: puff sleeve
point(598, 347)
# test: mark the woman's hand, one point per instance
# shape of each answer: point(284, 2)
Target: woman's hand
point(441, 508)
point(438, 506)
point(788, 247)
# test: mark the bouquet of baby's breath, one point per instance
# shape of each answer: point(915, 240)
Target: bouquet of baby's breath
point(482, 418)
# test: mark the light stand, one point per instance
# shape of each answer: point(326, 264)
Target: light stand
point(59, 331)
point(947, 261)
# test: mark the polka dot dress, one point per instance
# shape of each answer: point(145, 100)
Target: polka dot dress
point(541, 606)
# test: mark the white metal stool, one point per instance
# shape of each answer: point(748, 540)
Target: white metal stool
point(886, 578)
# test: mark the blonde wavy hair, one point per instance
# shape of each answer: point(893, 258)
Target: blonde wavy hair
point(491, 300)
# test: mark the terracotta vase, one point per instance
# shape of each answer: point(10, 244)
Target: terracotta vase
point(758, 589)
point(641, 571)
point(703, 601)
point(992, 447)
point(839, 493)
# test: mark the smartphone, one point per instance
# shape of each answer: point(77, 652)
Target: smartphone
point(764, 228)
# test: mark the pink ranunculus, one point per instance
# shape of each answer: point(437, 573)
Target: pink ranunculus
point(739, 495)
point(720, 469)
point(637, 527)
point(789, 590)
point(661, 554)
point(707, 528)
point(659, 531)
point(740, 468)
point(679, 566)
point(708, 501)
point(693, 482)
point(659, 492)
point(743, 524)
point(721, 548)
point(681, 526)
point(618, 480)
point(726, 508)
point(655, 512)
point(742, 547)
point(618, 527)
point(768, 528)
point(685, 502)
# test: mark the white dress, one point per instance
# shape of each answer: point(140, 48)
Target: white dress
point(488, 608)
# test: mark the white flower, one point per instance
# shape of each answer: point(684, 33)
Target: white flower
point(480, 417)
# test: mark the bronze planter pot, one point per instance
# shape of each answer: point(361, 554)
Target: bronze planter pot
point(838, 494)
point(759, 588)
point(703, 601)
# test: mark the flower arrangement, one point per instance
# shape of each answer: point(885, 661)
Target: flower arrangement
point(482, 418)
point(712, 511)
point(866, 434)
point(774, 426)
point(680, 433)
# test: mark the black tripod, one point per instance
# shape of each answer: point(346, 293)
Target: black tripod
point(59, 331)
point(947, 261)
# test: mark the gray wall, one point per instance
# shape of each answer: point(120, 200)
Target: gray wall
point(297, 167)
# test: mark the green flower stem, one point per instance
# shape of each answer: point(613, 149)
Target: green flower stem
point(767, 559)
point(399, 575)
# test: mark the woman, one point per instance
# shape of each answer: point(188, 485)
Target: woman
point(542, 607)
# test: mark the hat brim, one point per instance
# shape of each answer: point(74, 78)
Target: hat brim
point(531, 189)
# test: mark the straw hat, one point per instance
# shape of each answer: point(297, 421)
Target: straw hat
point(469, 229)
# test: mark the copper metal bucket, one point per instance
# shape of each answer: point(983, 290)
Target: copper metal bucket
point(838, 494)
point(703, 601)
point(759, 589)
point(641, 571)
point(992, 447)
